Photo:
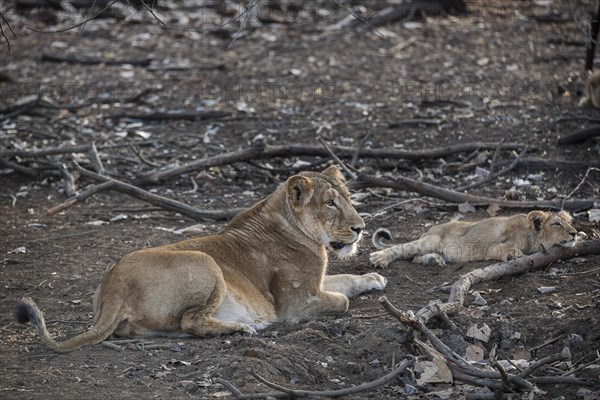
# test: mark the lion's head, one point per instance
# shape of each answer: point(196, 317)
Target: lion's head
point(321, 204)
point(553, 228)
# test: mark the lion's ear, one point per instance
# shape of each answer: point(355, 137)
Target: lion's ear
point(334, 172)
point(565, 215)
point(537, 219)
point(300, 190)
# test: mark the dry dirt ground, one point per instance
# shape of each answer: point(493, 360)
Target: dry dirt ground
point(505, 71)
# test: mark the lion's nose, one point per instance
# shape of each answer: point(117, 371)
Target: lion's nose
point(357, 229)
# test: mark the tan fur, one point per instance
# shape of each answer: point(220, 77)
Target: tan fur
point(591, 96)
point(267, 265)
point(498, 238)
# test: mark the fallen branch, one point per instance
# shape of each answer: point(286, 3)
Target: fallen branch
point(286, 392)
point(463, 371)
point(426, 189)
point(417, 121)
point(502, 270)
point(163, 202)
point(51, 151)
point(407, 10)
point(160, 116)
point(142, 62)
point(580, 136)
point(262, 152)
point(81, 197)
point(552, 165)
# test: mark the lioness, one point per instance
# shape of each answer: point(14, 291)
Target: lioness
point(498, 238)
point(267, 265)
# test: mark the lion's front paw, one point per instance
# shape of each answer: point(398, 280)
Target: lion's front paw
point(513, 254)
point(374, 281)
point(379, 259)
point(246, 328)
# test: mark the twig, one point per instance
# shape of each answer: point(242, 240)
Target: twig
point(361, 144)
point(151, 11)
point(143, 62)
point(166, 203)
point(350, 173)
point(244, 22)
point(138, 153)
point(2, 30)
point(95, 158)
point(283, 391)
point(581, 182)
point(359, 18)
point(68, 180)
point(541, 362)
point(494, 175)
point(547, 343)
point(78, 24)
point(80, 197)
point(426, 189)
point(581, 367)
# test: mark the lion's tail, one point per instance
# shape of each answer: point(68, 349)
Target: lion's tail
point(107, 322)
point(379, 234)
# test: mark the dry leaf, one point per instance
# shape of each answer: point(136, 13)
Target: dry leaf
point(435, 371)
point(482, 333)
point(493, 209)
point(466, 208)
point(546, 289)
point(474, 353)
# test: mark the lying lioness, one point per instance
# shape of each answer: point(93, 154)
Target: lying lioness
point(498, 238)
point(267, 265)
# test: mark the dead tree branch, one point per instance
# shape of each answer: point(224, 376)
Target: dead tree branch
point(463, 371)
point(81, 197)
point(163, 202)
point(580, 136)
point(51, 151)
point(286, 392)
point(160, 116)
point(142, 62)
point(262, 152)
point(502, 270)
point(426, 189)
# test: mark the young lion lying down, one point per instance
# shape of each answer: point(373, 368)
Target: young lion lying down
point(267, 265)
point(498, 238)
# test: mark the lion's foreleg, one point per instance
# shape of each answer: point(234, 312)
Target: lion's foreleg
point(404, 251)
point(351, 285)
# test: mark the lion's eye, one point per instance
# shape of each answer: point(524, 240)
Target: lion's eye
point(557, 224)
point(331, 203)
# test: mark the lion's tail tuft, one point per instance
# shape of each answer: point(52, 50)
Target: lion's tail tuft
point(379, 234)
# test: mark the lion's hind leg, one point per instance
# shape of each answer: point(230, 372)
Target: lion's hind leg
point(199, 321)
